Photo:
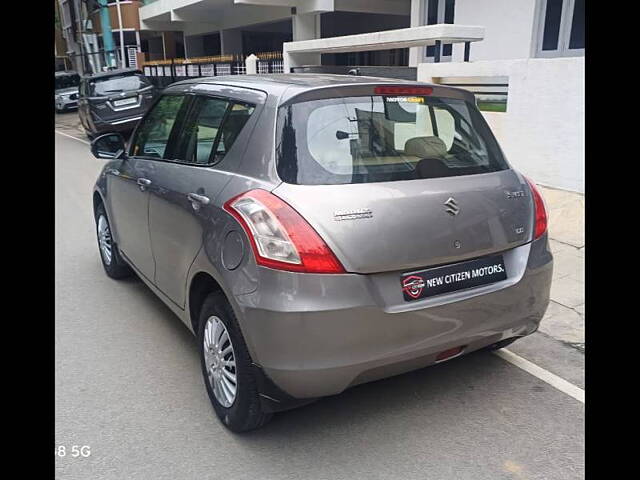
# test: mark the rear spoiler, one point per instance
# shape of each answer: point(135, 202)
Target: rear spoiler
point(368, 89)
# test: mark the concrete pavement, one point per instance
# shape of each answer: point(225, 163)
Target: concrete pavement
point(564, 320)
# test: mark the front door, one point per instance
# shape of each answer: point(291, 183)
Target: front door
point(130, 186)
point(129, 207)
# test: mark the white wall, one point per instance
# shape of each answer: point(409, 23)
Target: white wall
point(508, 26)
point(542, 132)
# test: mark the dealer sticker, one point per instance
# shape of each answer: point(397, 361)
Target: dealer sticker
point(450, 278)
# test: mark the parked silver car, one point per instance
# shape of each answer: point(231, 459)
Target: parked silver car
point(66, 90)
point(321, 231)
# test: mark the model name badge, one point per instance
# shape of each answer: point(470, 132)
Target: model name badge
point(519, 193)
point(352, 214)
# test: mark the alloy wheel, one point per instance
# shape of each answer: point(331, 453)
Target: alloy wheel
point(220, 362)
point(104, 239)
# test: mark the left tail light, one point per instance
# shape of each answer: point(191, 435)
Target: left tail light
point(279, 236)
point(540, 215)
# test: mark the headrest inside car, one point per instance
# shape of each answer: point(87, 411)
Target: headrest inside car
point(425, 147)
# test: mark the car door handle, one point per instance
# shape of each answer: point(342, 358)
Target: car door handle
point(113, 171)
point(197, 200)
point(143, 183)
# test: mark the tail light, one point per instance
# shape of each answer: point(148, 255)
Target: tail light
point(279, 236)
point(540, 215)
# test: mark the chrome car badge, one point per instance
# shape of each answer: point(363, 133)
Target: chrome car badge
point(352, 214)
point(452, 206)
point(516, 194)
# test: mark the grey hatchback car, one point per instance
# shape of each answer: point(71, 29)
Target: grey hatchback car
point(316, 232)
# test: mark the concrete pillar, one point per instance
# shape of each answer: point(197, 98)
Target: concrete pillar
point(231, 42)
point(141, 57)
point(416, 54)
point(305, 27)
point(168, 45)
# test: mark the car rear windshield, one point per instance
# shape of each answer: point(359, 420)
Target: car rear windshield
point(375, 138)
point(121, 83)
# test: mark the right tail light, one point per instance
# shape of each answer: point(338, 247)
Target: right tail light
point(540, 214)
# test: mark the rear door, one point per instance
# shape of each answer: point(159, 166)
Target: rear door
point(401, 181)
point(185, 188)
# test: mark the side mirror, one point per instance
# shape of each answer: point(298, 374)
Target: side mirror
point(109, 146)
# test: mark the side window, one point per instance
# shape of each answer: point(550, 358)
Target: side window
point(211, 129)
point(200, 130)
point(153, 134)
point(233, 125)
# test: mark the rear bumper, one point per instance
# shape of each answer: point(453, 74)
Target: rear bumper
point(316, 335)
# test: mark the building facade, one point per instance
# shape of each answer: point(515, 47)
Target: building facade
point(514, 28)
point(81, 28)
point(527, 71)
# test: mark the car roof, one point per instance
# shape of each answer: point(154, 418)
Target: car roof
point(295, 83)
point(274, 82)
point(111, 73)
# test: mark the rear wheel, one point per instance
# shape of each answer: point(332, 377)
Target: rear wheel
point(113, 264)
point(226, 367)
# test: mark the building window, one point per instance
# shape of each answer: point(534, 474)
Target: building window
point(439, 11)
point(560, 28)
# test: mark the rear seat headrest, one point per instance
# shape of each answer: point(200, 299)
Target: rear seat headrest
point(425, 147)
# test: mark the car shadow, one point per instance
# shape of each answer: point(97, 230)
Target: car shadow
point(397, 402)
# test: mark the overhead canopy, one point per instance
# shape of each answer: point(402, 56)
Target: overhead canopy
point(388, 39)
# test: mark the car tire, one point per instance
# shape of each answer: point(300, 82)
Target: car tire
point(113, 263)
point(244, 412)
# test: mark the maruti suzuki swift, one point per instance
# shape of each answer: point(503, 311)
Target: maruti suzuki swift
point(316, 232)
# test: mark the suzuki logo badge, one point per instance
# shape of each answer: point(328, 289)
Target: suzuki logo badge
point(452, 206)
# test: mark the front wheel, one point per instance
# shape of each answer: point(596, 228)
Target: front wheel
point(113, 264)
point(226, 367)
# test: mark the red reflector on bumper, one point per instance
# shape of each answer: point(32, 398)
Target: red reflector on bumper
point(452, 352)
